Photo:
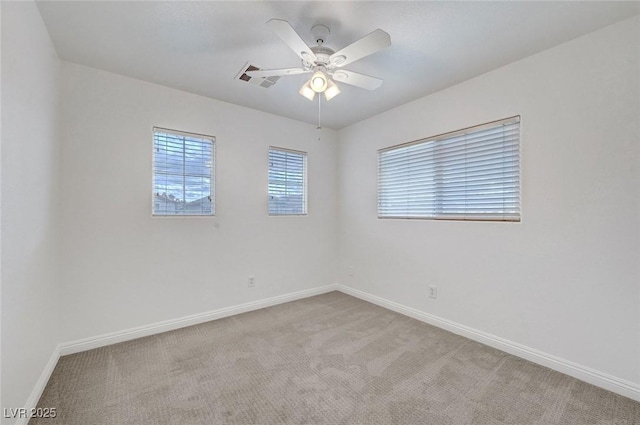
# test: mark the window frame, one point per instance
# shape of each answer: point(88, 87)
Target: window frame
point(448, 136)
point(212, 140)
point(305, 187)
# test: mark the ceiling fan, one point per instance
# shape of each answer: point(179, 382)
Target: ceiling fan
point(325, 63)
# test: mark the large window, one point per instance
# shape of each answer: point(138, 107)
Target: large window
point(183, 173)
point(471, 174)
point(287, 182)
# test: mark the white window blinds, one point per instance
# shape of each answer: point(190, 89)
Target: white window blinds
point(287, 182)
point(471, 174)
point(183, 173)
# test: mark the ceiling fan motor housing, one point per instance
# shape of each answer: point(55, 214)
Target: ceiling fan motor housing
point(323, 54)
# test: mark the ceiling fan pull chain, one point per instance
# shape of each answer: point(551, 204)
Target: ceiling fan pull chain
point(319, 109)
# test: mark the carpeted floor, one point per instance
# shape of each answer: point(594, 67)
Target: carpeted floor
point(329, 359)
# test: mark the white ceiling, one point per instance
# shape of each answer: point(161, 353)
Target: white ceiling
point(199, 47)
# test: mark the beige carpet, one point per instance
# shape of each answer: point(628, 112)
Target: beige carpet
point(329, 359)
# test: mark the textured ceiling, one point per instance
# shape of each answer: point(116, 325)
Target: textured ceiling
point(199, 47)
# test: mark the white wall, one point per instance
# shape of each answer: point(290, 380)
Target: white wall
point(123, 268)
point(30, 71)
point(566, 280)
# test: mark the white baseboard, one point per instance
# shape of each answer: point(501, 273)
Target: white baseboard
point(34, 397)
point(584, 373)
point(169, 325)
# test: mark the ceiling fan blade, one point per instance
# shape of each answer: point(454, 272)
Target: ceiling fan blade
point(286, 32)
point(358, 80)
point(276, 72)
point(369, 44)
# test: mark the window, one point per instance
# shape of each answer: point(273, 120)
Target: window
point(287, 182)
point(471, 174)
point(183, 173)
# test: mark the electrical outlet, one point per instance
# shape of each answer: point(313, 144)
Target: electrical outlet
point(252, 281)
point(351, 271)
point(433, 292)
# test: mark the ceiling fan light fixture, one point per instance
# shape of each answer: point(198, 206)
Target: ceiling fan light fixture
point(331, 91)
point(306, 91)
point(318, 82)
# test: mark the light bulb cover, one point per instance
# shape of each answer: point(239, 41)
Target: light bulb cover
point(306, 91)
point(331, 91)
point(318, 82)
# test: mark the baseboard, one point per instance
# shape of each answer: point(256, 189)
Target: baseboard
point(584, 373)
point(34, 397)
point(169, 325)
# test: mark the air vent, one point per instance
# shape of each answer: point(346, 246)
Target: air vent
point(260, 81)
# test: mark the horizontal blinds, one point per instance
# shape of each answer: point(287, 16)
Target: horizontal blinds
point(467, 175)
point(182, 173)
point(287, 182)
